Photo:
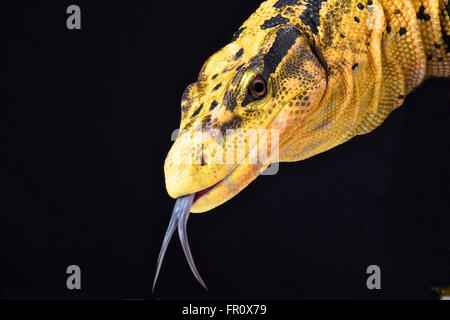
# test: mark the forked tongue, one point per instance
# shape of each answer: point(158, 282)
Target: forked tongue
point(179, 220)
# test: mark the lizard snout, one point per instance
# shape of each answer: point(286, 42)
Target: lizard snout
point(192, 166)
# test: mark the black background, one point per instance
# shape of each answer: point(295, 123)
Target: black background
point(86, 121)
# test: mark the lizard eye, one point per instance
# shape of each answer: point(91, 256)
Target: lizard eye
point(258, 88)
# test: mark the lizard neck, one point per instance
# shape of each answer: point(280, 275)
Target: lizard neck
point(386, 49)
point(375, 53)
point(424, 32)
point(434, 27)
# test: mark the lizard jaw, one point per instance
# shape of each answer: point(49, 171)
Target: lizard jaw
point(237, 180)
point(204, 192)
point(182, 180)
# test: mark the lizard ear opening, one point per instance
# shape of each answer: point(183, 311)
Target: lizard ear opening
point(319, 56)
point(301, 83)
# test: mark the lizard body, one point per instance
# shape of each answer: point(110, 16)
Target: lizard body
point(317, 72)
point(334, 69)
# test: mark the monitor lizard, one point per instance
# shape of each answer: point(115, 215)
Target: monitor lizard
point(316, 72)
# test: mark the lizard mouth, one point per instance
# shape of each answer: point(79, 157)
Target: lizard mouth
point(204, 192)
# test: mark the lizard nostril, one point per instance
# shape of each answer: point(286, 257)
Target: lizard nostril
point(203, 163)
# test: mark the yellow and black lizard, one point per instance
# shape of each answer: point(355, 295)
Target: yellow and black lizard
point(317, 72)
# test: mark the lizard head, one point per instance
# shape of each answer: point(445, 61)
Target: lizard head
point(257, 95)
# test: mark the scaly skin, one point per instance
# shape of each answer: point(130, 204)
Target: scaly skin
point(334, 69)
